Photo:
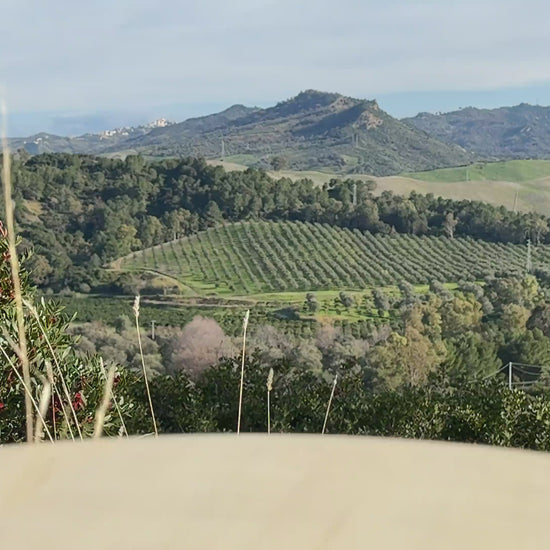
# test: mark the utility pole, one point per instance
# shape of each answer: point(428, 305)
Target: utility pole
point(354, 194)
point(153, 330)
point(529, 261)
point(516, 202)
point(510, 375)
point(223, 149)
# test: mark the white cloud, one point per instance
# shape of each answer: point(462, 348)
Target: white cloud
point(128, 53)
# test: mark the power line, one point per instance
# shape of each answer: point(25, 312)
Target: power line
point(528, 365)
point(495, 372)
point(512, 367)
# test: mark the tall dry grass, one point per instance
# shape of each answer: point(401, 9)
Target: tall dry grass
point(14, 263)
point(42, 410)
point(102, 409)
point(269, 385)
point(67, 395)
point(330, 403)
point(28, 393)
point(245, 326)
point(113, 398)
point(136, 316)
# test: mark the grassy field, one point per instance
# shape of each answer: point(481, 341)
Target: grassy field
point(512, 170)
point(255, 258)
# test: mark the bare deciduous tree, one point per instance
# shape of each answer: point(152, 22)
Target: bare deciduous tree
point(199, 345)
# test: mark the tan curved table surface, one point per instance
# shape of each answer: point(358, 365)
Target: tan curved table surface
point(277, 492)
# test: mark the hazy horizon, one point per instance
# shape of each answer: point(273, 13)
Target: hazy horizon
point(72, 68)
point(66, 123)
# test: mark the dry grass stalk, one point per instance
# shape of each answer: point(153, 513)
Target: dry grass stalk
point(245, 326)
point(14, 263)
point(269, 385)
point(136, 315)
point(33, 311)
point(102, 410)
point(119, 412)
point(330, 402)
point(28, 393)
point(53, 393)
point(43, 409)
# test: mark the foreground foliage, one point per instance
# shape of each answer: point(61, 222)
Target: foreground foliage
point(77, 382)
point(477, 412)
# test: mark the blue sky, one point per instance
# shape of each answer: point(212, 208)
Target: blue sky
point(69, 66)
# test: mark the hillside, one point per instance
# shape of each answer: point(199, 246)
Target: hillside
point(314, 130)
point(518, 132)
point(255, 257)
point(81, 212)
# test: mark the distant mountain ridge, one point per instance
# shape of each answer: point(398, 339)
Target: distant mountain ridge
point(327, 131)
point(44, 142)
point(313, 130)
point(518, 132)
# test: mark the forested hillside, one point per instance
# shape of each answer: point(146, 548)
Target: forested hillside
point(80, 212)
point(519, 132)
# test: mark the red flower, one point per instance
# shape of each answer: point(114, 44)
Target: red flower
point(78, 402)
point(2, 406)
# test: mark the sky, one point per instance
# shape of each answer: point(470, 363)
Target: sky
point(69, 67)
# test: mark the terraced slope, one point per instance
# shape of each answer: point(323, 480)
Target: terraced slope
point(254, 257)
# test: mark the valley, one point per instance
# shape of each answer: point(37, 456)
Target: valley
point(400, 264)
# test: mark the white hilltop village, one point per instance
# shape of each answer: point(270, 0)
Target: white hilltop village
point(126, 131)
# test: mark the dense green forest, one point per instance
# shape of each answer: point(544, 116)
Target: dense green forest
point(79, 212)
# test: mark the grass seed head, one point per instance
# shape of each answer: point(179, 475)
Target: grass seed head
point(136, 306)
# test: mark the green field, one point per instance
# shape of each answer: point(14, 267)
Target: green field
point(251, 258)
point(512, 170)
